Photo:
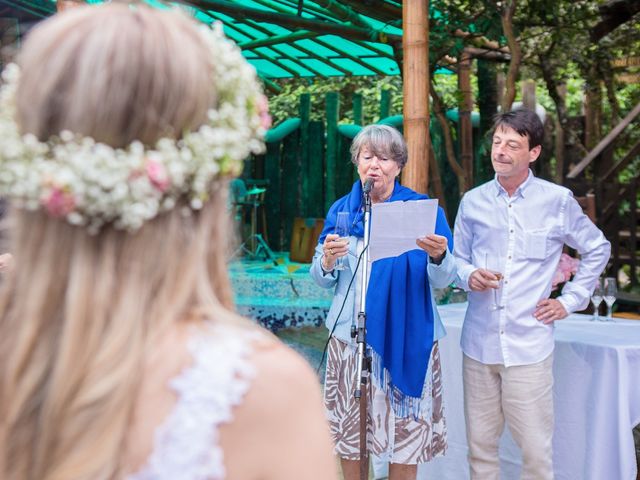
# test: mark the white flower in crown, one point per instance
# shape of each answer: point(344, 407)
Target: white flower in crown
point(93, 184)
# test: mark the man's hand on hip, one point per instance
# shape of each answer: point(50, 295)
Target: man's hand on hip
point(549, 310)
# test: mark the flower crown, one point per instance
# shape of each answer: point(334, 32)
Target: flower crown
point(92, 184)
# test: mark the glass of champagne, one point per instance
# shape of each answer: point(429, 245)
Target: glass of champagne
point(342, 230)
point(492, 265)
point(596, 299)
point(610, 292)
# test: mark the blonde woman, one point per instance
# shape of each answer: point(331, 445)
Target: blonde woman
point(120, 354)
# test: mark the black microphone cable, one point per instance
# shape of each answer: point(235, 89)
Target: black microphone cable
point(326, 345)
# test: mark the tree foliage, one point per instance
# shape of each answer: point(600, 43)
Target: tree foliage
point(566, 46)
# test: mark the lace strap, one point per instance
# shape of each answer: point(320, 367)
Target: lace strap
point(187, 445)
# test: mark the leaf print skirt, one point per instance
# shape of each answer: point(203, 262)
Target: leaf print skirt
point(404, 440)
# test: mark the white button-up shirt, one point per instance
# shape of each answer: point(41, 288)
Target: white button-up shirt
point(522, 237)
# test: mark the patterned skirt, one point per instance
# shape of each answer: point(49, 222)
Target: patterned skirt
point(408, 440)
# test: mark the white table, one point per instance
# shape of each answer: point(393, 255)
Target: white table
point(596, 399)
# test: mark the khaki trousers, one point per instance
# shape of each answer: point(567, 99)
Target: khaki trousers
point(523, 395)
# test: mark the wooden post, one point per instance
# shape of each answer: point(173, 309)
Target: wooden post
point(273, 197)
point(318, 171)
point(592, 115)
point(436, 181)
point(415, 46)
point(529, 95)
point(500, 82)
point(357, 109)
point(385, 103)
point(464, 113)
point(290, 200)
point(332, 101)
point(488, 106)
point(305, 112)
point(559, 144)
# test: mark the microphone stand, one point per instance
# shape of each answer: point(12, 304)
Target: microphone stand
point(363, 361)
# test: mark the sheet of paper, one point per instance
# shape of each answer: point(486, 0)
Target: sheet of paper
point(395, 226)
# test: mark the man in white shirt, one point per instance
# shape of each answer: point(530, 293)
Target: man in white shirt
point(509, 234)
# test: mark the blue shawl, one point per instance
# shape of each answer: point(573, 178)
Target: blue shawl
point(398, 307)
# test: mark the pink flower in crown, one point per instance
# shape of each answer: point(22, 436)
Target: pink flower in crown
point(59, 203)
point(158, 175)
point(567, 266)
point(263, 112)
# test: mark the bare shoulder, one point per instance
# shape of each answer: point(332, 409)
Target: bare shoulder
point(277, 363)
point(281, 421)
point(283, 381)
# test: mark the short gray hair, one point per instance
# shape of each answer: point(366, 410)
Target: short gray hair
point(382, 140)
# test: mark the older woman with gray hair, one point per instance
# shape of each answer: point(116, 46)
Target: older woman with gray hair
point(405, 421)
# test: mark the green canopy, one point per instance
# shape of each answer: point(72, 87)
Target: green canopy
point(297, 38)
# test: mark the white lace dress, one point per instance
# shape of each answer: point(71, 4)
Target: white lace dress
point(187, 444)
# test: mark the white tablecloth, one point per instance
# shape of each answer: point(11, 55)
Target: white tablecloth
point(596, 399)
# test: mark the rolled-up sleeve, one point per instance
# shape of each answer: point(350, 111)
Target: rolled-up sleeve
point(323, 279)
point(443, 274)
point(594, 249)
point(462, 238)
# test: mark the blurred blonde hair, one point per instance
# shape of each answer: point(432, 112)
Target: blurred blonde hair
point(79, 312)
point(116, 73)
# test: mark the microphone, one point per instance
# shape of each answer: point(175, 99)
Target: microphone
point(368, 184)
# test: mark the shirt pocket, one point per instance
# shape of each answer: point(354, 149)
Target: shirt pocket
point(535, 243)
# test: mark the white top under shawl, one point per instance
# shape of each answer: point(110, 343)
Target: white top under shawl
point(187, 444)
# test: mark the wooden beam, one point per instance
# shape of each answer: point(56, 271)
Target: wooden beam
point(328, 45)
point(353, 58)
point(464, 113)
point(271, 85)
point(375, 49)
point(293, 21)
point(479, 41)
point(276, 39)
point(604, 143)
point(381, 10)
point(299, 61)
point(415, 44)
point(344, 13)
point(258, 53)
point(487, 54)
point(631, 154)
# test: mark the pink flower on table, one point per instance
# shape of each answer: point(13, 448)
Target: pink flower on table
point(158, 175)
point(263, 112)
point(59, 203)
point(567, 267)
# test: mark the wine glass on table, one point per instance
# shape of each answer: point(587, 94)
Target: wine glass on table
point(596, 299)
point(492, 265)
point(610, 293)
point(342, 230)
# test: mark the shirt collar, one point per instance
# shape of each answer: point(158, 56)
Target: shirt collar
point(520, 191)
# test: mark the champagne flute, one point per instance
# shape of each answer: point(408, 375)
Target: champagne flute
point(490, 265)
point(342, 230)
point(610, 292)
point(596, 299)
